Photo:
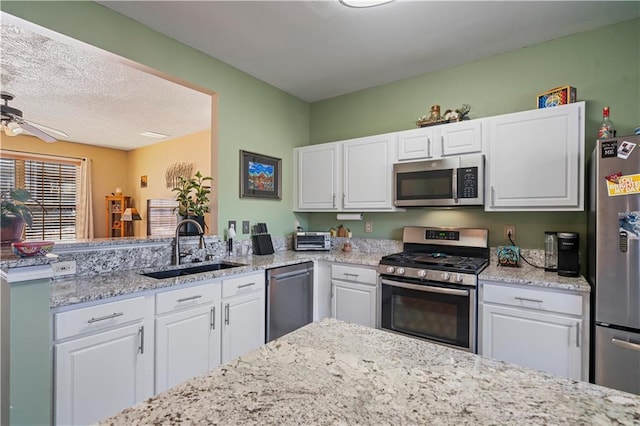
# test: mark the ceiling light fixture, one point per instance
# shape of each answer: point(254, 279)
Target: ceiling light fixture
point(361, 4)
point(11, 128)
point(154, 135)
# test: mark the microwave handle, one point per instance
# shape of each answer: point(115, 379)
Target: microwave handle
point(454, 184)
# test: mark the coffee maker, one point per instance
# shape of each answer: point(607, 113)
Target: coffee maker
point(568, 254)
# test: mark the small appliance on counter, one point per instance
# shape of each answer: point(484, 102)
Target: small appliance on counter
point(311, 241)
point(568, 254)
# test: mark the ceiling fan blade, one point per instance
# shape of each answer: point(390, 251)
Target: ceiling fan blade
point(37, 132)
point(46, 128)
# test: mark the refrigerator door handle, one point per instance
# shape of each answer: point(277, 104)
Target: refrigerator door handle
point(625, 345)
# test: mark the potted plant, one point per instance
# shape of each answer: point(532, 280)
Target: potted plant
point(192, 195)
point(15, 214)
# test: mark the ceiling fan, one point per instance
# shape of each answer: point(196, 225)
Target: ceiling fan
point(13, 124)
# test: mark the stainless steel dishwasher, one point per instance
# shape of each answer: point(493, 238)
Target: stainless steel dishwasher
point(289, 299)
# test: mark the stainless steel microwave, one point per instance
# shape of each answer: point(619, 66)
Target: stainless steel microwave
point(451, 181)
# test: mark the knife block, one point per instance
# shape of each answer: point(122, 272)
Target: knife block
point(262, 244)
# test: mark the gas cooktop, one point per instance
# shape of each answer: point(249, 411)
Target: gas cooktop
point(445, 255)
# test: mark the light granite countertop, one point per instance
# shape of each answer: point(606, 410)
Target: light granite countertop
point(330, 372)
point(79, 289)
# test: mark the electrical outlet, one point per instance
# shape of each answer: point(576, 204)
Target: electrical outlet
point(509, 230)
point(64, 268)
point(368, 227)
point(245, 227)
point(232, 222)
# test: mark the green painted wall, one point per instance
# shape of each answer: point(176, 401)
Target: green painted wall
point(253, 115)
point(603, 64)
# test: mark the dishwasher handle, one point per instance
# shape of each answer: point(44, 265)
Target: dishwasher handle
point(285, 275)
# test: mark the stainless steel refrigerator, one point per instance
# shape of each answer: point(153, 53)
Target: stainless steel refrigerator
point(614, 261)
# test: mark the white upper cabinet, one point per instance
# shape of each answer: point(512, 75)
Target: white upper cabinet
point(463, 137)
point(317, 175)
point(535, 159)
point(416, 144)
point(457, 138)
point(367, 171)
point(354, 175)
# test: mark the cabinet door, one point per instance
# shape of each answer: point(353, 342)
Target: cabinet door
point(243, 327)
point(187, 344)
point(535, 160)
point(416, 144)
point(461, 138)
point(368, 172)
point(355, 303)
point(317, 177)
point(100, 375)
point(542, 341)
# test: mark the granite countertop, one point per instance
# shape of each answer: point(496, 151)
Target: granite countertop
point(89, 288)
point(531, 276)
point(330, 372)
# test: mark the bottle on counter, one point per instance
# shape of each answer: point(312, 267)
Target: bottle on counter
point(606, 129)
point(550, 251)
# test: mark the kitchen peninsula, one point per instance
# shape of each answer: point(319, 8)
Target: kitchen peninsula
point(331, 372)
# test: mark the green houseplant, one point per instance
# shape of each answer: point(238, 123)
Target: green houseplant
point(15, 214)
point(192, 194)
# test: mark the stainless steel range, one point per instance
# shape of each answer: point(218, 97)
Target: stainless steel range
point(429, 289)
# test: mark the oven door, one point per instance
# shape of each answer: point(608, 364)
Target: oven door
point(443, 314)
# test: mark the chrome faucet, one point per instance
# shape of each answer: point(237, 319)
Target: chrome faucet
point(201, 245)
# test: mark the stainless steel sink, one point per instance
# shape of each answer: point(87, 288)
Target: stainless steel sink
point(192, 270)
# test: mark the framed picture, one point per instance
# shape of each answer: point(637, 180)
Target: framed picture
point(260, 176)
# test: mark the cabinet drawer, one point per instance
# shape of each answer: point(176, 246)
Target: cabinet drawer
point(355, 274)
point(233, 286)
point(187, 297)
point(95, 318)
point(534, 299)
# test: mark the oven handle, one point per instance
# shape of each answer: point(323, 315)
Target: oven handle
point(427, 288)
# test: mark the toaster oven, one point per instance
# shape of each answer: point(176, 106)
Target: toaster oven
point(309, 241)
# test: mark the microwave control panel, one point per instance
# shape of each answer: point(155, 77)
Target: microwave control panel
point(468, 182)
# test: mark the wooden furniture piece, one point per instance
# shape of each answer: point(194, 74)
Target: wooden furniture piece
point(115, 206)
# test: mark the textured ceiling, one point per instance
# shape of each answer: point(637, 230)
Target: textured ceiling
point(92, 96)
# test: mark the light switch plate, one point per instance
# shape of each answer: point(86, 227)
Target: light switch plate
point(61, 269)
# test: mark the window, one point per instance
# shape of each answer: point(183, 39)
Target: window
point(53, 181)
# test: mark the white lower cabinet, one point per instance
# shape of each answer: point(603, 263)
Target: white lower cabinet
point(539, 329)
point(187, 334)
point(354, 295)
point(103, 360)
point(243, 322)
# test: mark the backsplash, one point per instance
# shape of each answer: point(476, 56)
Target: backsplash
point(121, 255)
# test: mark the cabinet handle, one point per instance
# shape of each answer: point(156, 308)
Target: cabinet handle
point(524, 299)
point(355, 276)
point(185, 299)
point(141, 337)
point(577, 335)
point(442, 143)
point(213, 318)
point(429, 147)
point(492, 196)
point(344, 197)
point(106, 317)
point(334, 200)
point(245, 285)
point(625, 345)
point(226, 314)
